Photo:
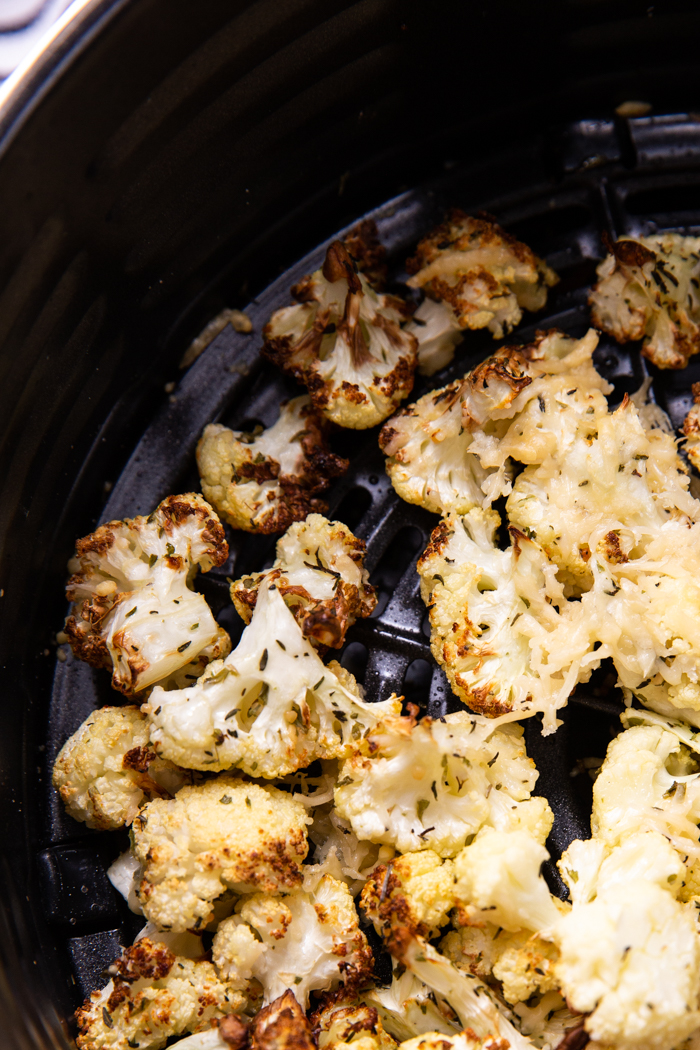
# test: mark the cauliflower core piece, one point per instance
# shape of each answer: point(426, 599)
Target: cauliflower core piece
point(133, 608)
point(482, 273)
point(433, 784)
point(222, 834)
point(319, 572)
point(407, 1007)
point(452, 449)
point(107, 768)
point(649, 288)
point(308, 941)
point(438, 335)
point(345, 343)
point(263, 481)
point(153, 996)
point(270, 708)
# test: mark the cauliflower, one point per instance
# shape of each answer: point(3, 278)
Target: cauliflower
point(523, 962)
point(345, 343)
point(452, 449)
point(499, 873)
point(265, 480)
point(339, 852)
point(363, 244)
point(484, 274)
point(466, 1040)
point(630, 959)
point(224, 833)
point(270, 708)
point(432, 785)
point(590, 866)
point(649, 288)
point(133, 607)
point(414, 892)
point(341, 1024)
point(438, 334)
point(152, 996)
point(308, 941)
point(319, 572)
point(282, 1026)
point(407, 1007)
point(691, 429)
point(107, 769)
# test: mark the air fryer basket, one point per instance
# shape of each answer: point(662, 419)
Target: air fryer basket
point(137, 210)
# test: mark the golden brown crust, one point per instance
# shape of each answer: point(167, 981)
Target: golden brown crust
point(282, 1026)
point(384, 897)
point(363, 244)
point(632, 253)
point(448, 235)
point(234, 1031)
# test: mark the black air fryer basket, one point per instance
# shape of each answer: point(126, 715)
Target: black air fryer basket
point(163, 160)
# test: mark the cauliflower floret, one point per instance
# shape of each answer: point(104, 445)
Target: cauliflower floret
point(265, 480)
point(363, 244)
point(108, 768)
point(341, 1023)
point(339, 852)
point(281, 1026)
point(407, 1007)
point(320, 573)
point(154, 995)
point(270, 708)
point(523, 962)
point(589, 867)
point(133, 607)
point(345, 343)
point(466, 1040)
point(485, 275)
point(432, 785)
point(648, 288)
point(451, 450)
point(438, 334)
point(649, 781)
point(308, 941)
point(414, 891)
point(630, 959)
point(499, 873)
point(691, 429)
point(224, 833)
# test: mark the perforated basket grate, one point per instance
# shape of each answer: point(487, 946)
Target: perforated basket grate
point(622, 177)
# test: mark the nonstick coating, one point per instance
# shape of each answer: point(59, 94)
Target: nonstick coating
point(169, 159)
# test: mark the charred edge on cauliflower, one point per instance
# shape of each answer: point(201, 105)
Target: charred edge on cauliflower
point(282, 1026)
point(691, 428)
point(369, 253)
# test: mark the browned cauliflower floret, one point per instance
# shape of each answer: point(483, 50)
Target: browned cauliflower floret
point(345, 343)
point(281, 1026)
point(414, 891)
point(649, 288)
point(341, 1022)
point(369, 253)
point(264, 480)
point(223, 834)
point(485, 275)
point(523, 962)
point(319, 572)
point(691, 429)
point(152, 996)
point(305, 940)
point(134, 609)
point(108, 767)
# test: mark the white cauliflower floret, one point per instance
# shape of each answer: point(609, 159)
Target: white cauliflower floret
point(649, 781)
point(270, 708)
point(222, 834)
point(407, 1007)
point(134, 610)
point(153, 996)
point(484, 274)
point(107, 769)
point(264, 480)
point(432, 785)
point(319, 571)
point(345, 343)
point(438, 334)
point(308, 941)
point(649, 288)
point(343, 1023)
point(523, 962)
point(452, 449)
point(414, 892)
point(589, 867)
point(691, 429)
point(499, 873)
point(630, 959)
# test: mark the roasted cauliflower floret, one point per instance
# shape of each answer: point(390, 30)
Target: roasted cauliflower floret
point(282, 1025)
point(222, 834)
point(133, 607)
point(485, 275)
point(107, 769)
point(590, 866)
point(270, 708)
point(363, 244)
point(438, 334)
point(320, 573)
point(414, 891)
point(432, 785)
point(630, 959)
point(265, 480)
point(345, 343)
point(452, 449)
point(649, 288)
point(523, 962)
point(691, 429)
point(407, 1007)
point(308, 941)
point(153, 996)
point(342, 1023)
point(466, 1040)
